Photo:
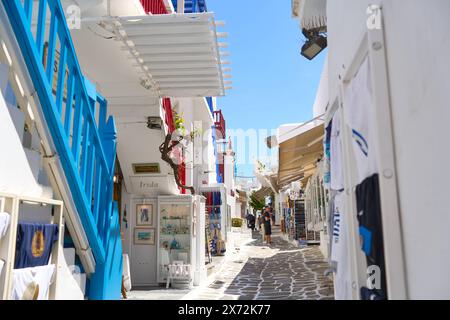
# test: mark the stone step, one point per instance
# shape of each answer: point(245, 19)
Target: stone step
point(69, 255)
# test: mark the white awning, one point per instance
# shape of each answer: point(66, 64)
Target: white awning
point(179, 53)
point(299, 155)
point(312, 13)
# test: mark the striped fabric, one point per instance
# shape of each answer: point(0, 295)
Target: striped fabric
point(154, 6)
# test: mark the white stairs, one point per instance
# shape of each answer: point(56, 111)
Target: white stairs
point(78, 276)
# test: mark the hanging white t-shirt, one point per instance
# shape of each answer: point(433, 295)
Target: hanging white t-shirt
point(360, 117)
point(5, 219)
point(336, 244)
point(2, 263)
point(126, 272)
point(340, 249)
point(26, 278)
point(336, 162)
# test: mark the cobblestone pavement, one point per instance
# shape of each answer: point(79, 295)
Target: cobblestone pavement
point(280, 271)
point(156, 293)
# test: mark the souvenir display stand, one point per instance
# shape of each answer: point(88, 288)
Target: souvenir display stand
point(181, 238)
point(28, 209)
point(217, 217)
point(368, 66)
point(284, 205)
point(316, 202)
point(299, 220)
point(287, 222)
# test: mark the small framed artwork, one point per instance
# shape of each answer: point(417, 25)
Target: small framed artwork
point(144, 215)
point(144, 236)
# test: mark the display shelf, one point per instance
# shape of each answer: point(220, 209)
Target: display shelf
point(175, 228)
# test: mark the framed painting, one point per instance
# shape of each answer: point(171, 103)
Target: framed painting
point(145, 236)
point(144, 215)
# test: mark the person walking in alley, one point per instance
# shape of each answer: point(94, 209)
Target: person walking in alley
point(272, 215)
point(261, 225)
point(251, 221)
point(267, 225)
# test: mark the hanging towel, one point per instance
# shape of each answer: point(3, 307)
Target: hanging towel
point(34, 244)
point(32, 283)
point(5, 219)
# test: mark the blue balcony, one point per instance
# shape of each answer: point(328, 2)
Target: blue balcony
point(85, 140)
point(209, 100)
point(192, 6)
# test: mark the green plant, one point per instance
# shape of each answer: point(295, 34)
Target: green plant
point(256, 203)
point(195, 133)
point(236, 222)
point(260, 166)
point(179, 123)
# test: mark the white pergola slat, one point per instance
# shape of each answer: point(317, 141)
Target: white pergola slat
point(179, 53)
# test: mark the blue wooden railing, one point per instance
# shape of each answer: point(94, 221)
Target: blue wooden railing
point(75, 114)
point(192, 6)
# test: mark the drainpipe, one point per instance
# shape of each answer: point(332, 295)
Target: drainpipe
point(180, 6)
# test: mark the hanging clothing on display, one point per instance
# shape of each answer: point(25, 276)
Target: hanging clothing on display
point(217, 198)
point(126, 272)
point(339, 249)
point(370, 226)
point(360, 117)
point(2, 263)
point(32, 283)
point(327, 156)
point(282, 226)
point(5, 220)
point(336, 169)
point(34, 244)
point(330, 223)
point(367, 294)
point(213, 203)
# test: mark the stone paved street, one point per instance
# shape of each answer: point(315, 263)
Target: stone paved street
point(253, 270)
point(280, 271)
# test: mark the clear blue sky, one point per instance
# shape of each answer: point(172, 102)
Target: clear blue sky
point(272, 83)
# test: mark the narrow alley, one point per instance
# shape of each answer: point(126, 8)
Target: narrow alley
point(255, 271)
point(233, 151)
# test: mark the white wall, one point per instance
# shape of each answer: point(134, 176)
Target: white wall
point(418, 51)
point(321, 102)
point(138, 144)
point(143, 258)
point(196, 113)
point(229, 182)
point(16, 175)
point(237, 212)
point(229, 172)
